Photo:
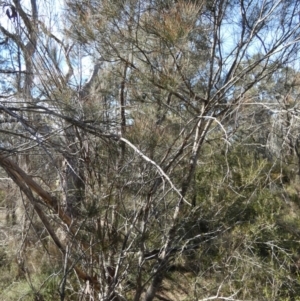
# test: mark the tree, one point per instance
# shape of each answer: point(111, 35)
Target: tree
point(113, 158)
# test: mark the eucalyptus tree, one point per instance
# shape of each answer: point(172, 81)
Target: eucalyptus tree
point(112, 107)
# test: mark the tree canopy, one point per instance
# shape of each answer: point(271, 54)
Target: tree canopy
point(150, 150)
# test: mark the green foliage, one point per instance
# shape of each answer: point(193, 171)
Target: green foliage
point(40, 287)
point(240, 195)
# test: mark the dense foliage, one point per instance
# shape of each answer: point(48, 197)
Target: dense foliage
point(150, 150)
